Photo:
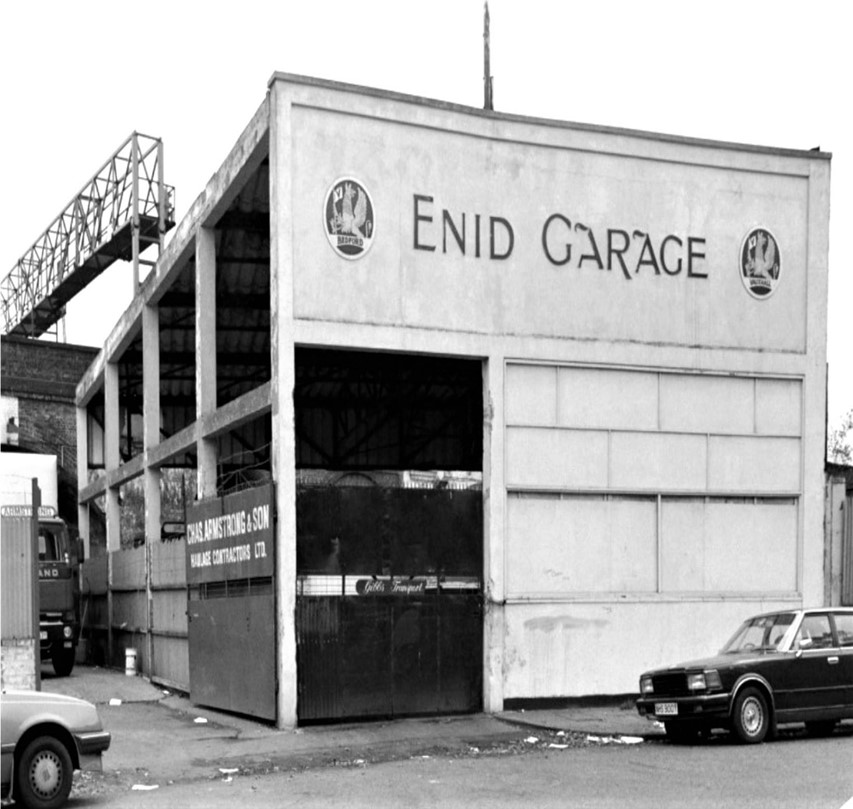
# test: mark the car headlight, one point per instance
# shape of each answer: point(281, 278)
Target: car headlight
point(696, 682)
point(704, 680)
point(67, 631)
point(646, 685)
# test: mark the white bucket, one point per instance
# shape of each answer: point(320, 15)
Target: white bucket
point(130, 662)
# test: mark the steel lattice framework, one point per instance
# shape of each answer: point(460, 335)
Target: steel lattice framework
point(122, 210)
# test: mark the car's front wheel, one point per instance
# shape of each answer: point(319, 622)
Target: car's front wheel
point(751, 716)
point(44, 774)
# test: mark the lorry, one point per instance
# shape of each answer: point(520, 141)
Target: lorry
point(59, 556)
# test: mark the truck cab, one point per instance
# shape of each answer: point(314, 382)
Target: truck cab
point(59, 593)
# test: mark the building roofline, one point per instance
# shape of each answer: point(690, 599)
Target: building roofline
point(393, 95)
point(56, 346)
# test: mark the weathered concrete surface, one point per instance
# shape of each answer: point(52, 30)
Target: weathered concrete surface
point(160, 737)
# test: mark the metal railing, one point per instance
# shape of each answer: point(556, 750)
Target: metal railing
point(128, 190)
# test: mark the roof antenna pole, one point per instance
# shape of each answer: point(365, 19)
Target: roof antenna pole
point(487, 75)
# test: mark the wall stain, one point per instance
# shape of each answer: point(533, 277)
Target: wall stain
point(563, 622)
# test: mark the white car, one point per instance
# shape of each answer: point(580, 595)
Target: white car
point(45, 737)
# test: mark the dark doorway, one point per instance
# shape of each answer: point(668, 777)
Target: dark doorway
point(389, 534)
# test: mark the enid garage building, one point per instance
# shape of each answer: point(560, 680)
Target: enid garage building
point(484, 409)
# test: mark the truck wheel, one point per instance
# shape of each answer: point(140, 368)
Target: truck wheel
point(63, 660)
point(751, 716)
point(43, 778)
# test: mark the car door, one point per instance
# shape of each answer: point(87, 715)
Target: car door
point(844, 632)
point(810, 682)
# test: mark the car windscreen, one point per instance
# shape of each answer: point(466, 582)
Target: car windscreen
point(763, 633)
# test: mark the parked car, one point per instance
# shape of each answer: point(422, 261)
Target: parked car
point(45, 737)
point(779, 667)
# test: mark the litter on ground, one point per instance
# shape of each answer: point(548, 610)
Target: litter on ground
point(614, 739)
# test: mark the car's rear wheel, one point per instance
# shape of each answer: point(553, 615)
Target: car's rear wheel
point(751, 716)
point(63, 659)
point(681, 732)
point(824, 728)
point(44, 774)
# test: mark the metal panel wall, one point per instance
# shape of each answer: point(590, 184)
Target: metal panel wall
point(169, 652)
point(230, 564)
point(117, 614)
point(94, 619)
point(232, 662)
point(19, 620)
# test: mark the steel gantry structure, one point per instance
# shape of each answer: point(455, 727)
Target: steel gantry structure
point(121, 211)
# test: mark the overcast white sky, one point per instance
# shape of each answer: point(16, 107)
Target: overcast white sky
point(76, 78)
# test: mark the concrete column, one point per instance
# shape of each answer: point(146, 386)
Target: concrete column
point(205, 353)
point(283, 378)
point(494, 530)
point(151, 416)
point(112, 459)
point(112, 456)
point(83, 525)
point(150, 439)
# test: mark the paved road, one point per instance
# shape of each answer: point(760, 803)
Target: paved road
point(792, 773)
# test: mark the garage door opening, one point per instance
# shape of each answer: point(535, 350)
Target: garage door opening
point(389, 534)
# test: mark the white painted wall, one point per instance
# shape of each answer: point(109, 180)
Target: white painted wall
point(524, 178)
point(654, 441)
point(685, 498)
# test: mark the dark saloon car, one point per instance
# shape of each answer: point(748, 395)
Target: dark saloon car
point(780, 667)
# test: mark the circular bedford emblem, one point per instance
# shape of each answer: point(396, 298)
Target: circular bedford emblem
point(349, 218)
point(760, 263)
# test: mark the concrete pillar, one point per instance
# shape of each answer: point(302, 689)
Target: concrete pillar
point(205, 353)
point(83, 525)
point(112, 460)
point(151, 416)
point(112, 456)
point(283, 378)
point(150, 439)
point(494, 530)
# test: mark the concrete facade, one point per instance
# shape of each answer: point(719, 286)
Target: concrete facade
point(650, 314)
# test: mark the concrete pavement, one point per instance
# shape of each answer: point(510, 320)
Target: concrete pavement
point(160, 737)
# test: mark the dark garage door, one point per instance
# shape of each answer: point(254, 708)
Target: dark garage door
point(389, 453)
point(389, 603)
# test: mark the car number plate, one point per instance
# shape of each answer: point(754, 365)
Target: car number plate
point(43, 634)
point(666, 708)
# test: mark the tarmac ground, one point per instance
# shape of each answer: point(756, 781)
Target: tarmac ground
point(160, 737)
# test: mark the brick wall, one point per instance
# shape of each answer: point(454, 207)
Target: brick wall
point(43, 377)
point(37, 368)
